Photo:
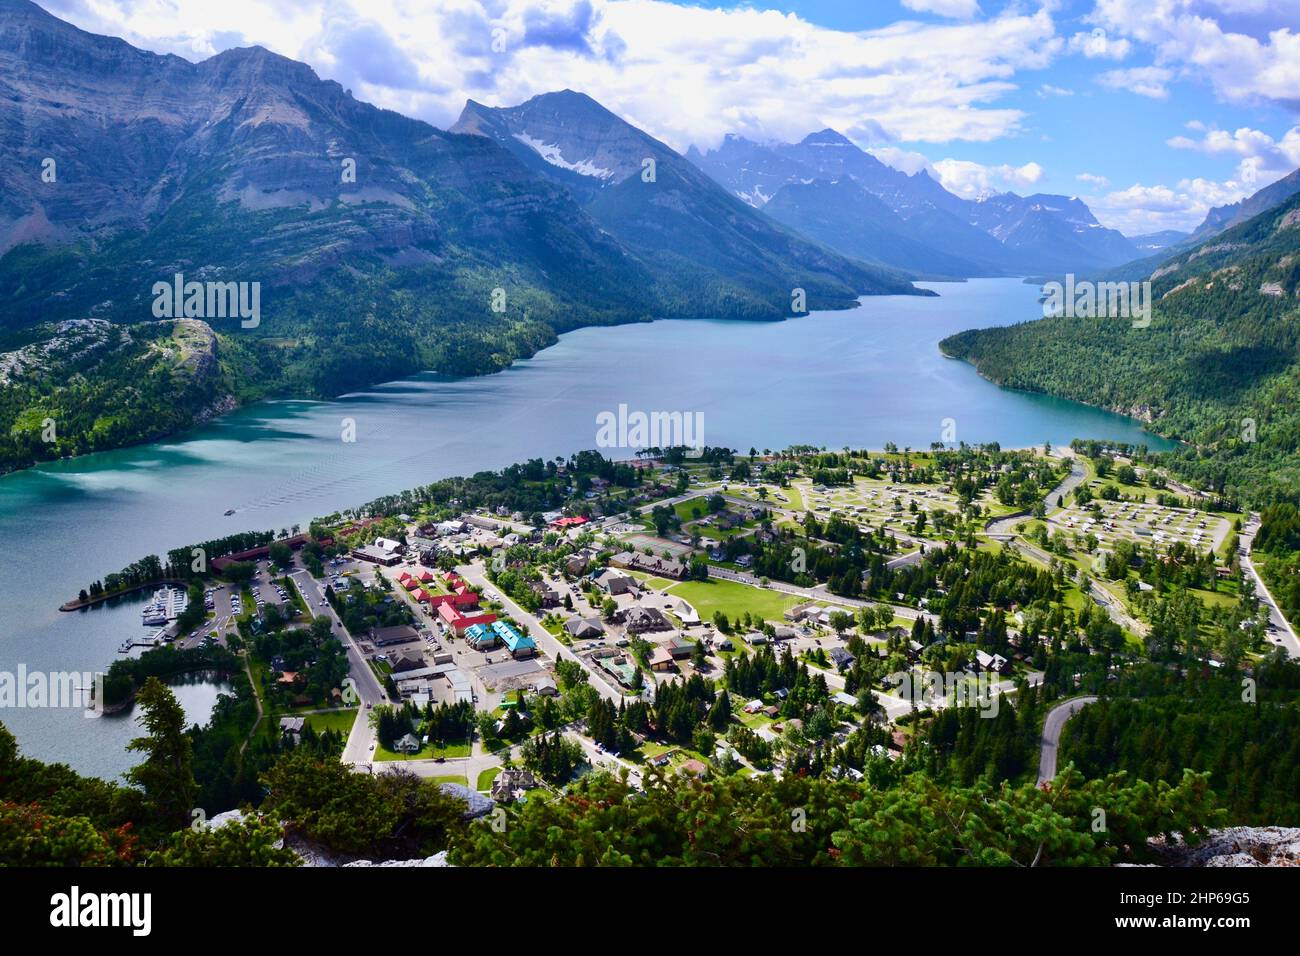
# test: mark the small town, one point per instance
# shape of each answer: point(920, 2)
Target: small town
point(799, 612)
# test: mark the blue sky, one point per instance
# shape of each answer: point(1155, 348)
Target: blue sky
point(1151, 110)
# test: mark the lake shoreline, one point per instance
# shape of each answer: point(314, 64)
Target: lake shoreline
point(228, 403)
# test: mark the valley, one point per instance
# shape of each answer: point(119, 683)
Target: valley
point(638, 433)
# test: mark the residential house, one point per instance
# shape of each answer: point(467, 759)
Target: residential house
point(661, 660)
point(584, 628)
point(510, 784)
point(401, 634)
point(547, 595)
point(994, 663)
point(407, 662)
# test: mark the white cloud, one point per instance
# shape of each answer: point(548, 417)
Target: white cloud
point(685, 73)
point(1047, 89)
point(1142, 209)
point(1100, 182)
point(1143, 80)
point(1246, 49)
point(1262, 158)
point(908, 161)
point(972, 180)
point(955, 9)
point(1098, 45)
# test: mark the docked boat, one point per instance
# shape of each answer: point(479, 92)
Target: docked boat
point(154, 613)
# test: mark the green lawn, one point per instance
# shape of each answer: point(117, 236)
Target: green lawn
point(734, 599)
point(1220, 598)
point(685, 510)
point(650, 581)
point(486, 777)
point(340, 720)
point(427, 752)
point(451, 778)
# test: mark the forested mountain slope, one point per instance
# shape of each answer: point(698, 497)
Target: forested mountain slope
point(380, 245)
point(1218, 367)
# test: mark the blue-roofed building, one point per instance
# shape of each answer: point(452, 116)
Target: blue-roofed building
point(482, 637)
point(519, 645)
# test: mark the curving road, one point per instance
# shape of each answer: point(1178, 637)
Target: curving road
point(1007, 525)
point(1052, 727)
point(1283, 633)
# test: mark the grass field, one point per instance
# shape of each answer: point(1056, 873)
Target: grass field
point(734, 599)
point(685, 510)
point(340, 720)
point(486, 777)
point(427, 752)
point(650, 580)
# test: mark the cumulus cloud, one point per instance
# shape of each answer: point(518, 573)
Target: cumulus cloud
point(956, 9)
point(908, 161)
point(1262, 159)
point(1097, 45)
point(1246, 49)
point(688, 74)
point(1100, 182)
point(972, 180)
point(1142, 209)
point(1148, 81)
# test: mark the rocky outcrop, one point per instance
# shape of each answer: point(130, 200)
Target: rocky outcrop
point(1236, 846)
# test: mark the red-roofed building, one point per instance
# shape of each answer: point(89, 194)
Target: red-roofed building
point(425, 576)
point(458, 600)
point(458, 621)
point(421, 595)
point(569, 522)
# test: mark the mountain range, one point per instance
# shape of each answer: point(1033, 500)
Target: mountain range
point(381, 245)
point(910, 221)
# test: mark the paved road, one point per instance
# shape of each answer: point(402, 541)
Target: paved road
point(475, 574)
point(370, 693)
point(1285, 632)
point(1071, 481)
point(1052, 728)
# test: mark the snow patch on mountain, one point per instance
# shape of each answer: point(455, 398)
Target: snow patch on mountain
point(551, 153)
